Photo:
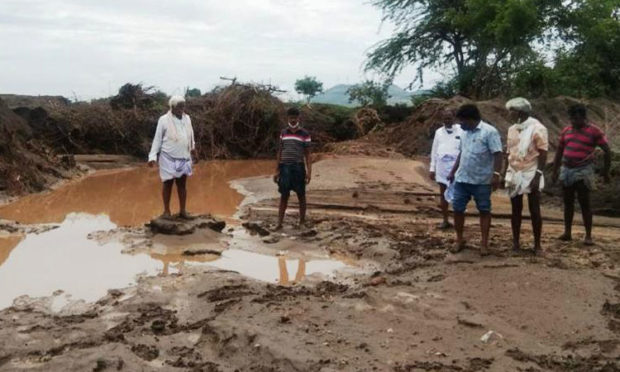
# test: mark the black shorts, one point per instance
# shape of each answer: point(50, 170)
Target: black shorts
point(292, 178)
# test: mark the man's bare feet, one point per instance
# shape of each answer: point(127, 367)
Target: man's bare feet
point(588, 242)
point(538, 252)
point(278, 227)
point(166, 216)
point(516, 247)
point(445, 225)
point(458, 247)
point(185, 216)
point(565, 237)
point(484, 251)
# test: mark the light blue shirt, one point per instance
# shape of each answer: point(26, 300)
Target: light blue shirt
point(477, 149)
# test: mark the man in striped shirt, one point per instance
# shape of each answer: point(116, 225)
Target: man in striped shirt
point(294, 169)
point(575, 154)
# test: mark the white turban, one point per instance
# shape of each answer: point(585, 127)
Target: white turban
point(519, 104)
point(175, 100)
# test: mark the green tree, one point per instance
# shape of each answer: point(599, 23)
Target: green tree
point(369, 93)
point(482, 41)
point(590, 66)
point(192, 92)
point(309, 86)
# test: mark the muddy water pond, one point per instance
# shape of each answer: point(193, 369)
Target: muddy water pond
point(133, 197)
point(64, 258)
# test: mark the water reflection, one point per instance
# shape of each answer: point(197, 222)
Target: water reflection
point(284, 278)
point(132, 197)
point(64, 258)
point(274, 269)
point(7, 244)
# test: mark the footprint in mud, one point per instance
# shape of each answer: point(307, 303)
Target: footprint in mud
point(145, 352)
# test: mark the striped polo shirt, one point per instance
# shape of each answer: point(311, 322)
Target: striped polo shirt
point(579, 145)
point(293, 145)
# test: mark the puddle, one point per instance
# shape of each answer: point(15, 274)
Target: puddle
point(39, 265)
point(132, 197)
point(65, 259)
point(275, 269)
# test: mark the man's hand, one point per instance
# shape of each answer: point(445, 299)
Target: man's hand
point(195, 158)
point(151, 163)
point(432, 175)
point(308, 178)
point(555, 176)
point(497, 180)
point(276, 178)
point(451, 177)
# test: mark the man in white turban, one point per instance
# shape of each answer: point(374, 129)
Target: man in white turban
point(527, 146)
point(446, 149)
point(173, 147)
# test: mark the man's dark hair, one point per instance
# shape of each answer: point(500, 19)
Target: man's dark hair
point(293, 111)
point(578, 109)
point(468, 111)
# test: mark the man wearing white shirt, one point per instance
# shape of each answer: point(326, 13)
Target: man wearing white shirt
point(445, 151)
point(173, 147)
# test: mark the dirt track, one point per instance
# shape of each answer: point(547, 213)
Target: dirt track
point(406, 305)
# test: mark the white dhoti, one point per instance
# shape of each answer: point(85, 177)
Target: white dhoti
point(171, 168)
point(443, 168)
point(518, 182)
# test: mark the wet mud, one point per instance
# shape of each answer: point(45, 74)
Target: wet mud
point(397, 300)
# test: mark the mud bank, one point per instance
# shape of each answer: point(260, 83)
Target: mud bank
point(406, 304)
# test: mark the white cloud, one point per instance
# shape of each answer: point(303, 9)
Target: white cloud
point(90, 48)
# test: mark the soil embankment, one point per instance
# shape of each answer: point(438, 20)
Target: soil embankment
point(26, 164)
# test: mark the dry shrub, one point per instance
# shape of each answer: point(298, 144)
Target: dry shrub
point(366, 120)
point(237, 121)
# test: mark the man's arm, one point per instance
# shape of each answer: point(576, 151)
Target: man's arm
point(607, 168)
point(557, 161)
point(192, 144)
point(494, 143)
point(433, 166)
point(308, 164)
point(498, 161)
point(454, 169)
point(276, 176)
point(156, 146)
point(542, 163)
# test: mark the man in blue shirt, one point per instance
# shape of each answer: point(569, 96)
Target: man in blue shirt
point(476, 173)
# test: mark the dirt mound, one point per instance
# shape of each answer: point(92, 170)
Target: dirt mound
point(415, 135)
point(26, 165)
point(238, 121)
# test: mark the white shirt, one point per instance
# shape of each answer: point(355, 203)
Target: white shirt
point(173, 136)
point(445, 143)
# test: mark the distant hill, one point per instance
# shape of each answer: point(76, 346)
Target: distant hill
point(337, 95)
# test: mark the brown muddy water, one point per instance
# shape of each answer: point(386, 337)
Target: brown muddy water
point(65, 259)
point(133, 197)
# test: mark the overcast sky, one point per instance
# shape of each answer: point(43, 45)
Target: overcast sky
point(89, 48)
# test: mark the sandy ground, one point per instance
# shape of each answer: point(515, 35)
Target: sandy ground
point(405, 305)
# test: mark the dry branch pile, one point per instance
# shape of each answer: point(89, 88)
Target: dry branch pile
point(238, 121)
